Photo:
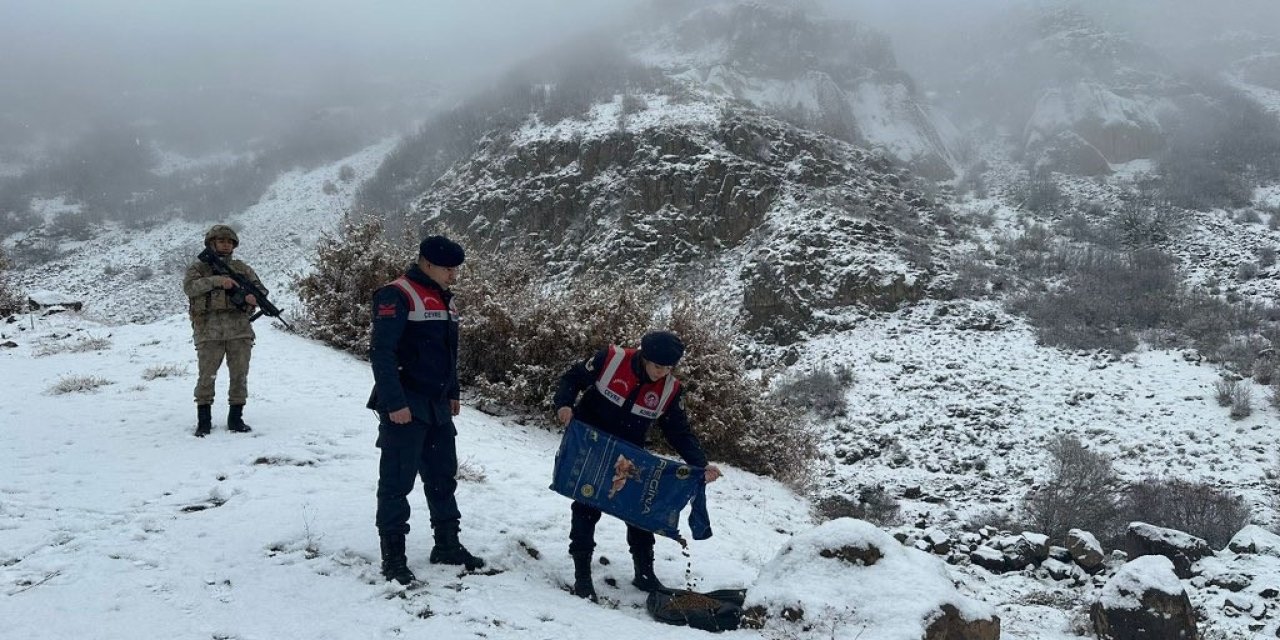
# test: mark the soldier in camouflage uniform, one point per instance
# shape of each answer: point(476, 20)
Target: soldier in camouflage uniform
point(221, 330)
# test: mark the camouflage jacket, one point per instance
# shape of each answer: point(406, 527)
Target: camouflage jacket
point(213, 316)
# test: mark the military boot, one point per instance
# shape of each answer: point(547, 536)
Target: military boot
point(235, 420)
point(449, 550)
point(204, 420)
point(582, 585)
point(395, 567)
point(645, 579)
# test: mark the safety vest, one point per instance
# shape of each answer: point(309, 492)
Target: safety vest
point(617, 382)
point(425, 303)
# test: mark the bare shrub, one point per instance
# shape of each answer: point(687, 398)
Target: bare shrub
point(1246, 271)
point(974, 277)
point(734, 416)
point(346, 173)
point(1249, 216)
point(1196, 508)
point(164, 371)
point(521, 334)
point(821, 391)
point(1241, 403)
point(349, 266)
point(11, 300)
point(143, 273)
point(872, 504)
point(329, 188)
point(1000, 519)
point(471, 471)
point(1141, 223)
point(1266, 257)
point(1224, 391)
point(1041, 194)
point(77, 384)
point(1105, 298)
point(1081, 492)
point(76, 225)
point(83, 345)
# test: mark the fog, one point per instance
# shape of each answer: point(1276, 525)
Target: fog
point(926, 33)
point(201, 75)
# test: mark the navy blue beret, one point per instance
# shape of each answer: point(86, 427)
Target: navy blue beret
point(441, 251)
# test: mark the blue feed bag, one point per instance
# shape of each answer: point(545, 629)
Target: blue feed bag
point(630, 483)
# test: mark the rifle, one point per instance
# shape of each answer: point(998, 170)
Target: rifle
point(244, 287)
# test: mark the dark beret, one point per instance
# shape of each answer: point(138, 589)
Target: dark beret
point(662, 348)
point(441, 251)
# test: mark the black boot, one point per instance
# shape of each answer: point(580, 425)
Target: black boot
point(645, 579)
point(394, 564)
point(449, 550)
point(582, 585)
point(204, 420)
point(235, 420)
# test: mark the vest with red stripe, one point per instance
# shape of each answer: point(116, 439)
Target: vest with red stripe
point(617, 381)
point(425, 303)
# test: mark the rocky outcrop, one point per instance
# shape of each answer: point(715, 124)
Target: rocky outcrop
point(1085, 128)
point(821, 225)
point(829, 75)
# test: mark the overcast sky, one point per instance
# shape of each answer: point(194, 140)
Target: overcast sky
point(250, 65)
point(63, 61)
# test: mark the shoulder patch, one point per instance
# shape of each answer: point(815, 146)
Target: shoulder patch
point(385, 311)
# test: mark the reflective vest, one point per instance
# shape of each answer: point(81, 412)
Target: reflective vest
point(617, 382)
point(425, 303)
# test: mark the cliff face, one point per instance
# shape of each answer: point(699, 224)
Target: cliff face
point(785, 224)
point(833, 76)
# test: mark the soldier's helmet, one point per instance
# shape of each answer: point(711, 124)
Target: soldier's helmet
point(221, 231)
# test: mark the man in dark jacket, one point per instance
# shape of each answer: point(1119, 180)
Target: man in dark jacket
point(626, 392)
point(414, 352)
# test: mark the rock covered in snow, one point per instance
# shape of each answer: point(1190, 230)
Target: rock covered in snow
point(1144, 600)
point(1183, 549)
point(1255, 540)
point(1085, 550)
point(853, 573)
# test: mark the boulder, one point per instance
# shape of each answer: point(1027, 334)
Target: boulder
point(1183, 549)
point(1144, 600)
point(1255, 540)
point(1085, 550)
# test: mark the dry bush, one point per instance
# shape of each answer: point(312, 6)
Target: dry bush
point(872, 504)
point(164, 371)
point(1082, 492)
point(519, 334)
point(77, 384)
point(1196, 508)
point(1105, 298)
point(1224, 390)
point(732, 413)
point(1241, 403)
point(820, 392)
point(11, 300)
point(83, 345)
point(349, 266)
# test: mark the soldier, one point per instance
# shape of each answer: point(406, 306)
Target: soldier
point(221, 329)
point(413, 349)
point(624, 393)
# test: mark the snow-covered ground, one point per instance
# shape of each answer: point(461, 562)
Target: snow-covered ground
point(115, 522)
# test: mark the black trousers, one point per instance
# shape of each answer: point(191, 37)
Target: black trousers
point(409, 451)
point(582, 533)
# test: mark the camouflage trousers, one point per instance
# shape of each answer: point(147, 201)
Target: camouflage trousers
point(210, 354)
